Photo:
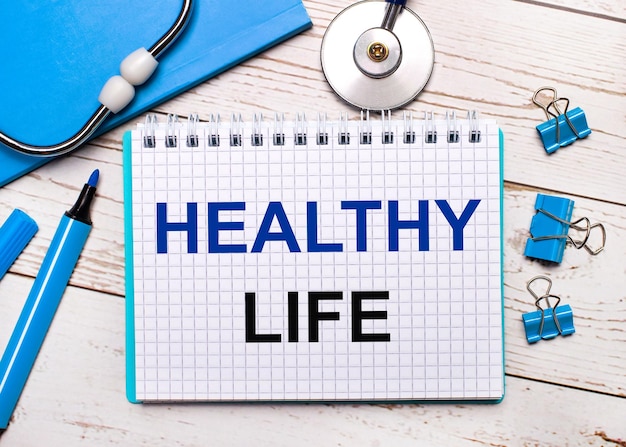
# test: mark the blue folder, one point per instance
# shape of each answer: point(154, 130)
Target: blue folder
point(56, 56)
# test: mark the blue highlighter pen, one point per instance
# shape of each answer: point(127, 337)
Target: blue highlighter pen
point(43, 300)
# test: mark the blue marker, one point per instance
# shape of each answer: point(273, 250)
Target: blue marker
point(43, 300)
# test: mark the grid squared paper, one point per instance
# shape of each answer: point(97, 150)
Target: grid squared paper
point(444, 306)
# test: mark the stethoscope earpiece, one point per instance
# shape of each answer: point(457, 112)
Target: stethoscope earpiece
point(377, 55)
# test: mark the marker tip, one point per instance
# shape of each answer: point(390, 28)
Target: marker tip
point(93, 179)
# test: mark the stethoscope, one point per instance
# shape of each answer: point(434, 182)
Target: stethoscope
point(377, 55)
point(117, 92)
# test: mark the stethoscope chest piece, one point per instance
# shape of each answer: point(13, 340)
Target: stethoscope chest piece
point(377, 55)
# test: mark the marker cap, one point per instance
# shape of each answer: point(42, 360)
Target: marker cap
point(15, 234)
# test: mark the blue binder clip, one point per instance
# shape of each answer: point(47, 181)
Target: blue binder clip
point(562, 127)
point(550, 226)
point(546, 323)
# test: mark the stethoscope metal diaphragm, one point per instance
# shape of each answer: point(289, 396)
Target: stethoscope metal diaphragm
point(375, 63)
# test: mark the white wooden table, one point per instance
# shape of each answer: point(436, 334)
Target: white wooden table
point(491, 56)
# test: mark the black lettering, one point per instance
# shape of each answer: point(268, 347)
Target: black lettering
point(358, 315)
point(315, 316)
point(251, 335)
point(292, 316)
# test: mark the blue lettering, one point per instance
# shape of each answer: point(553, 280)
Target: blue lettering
point(421, 224)
point(163, 226)
point(215, 226)
point(275, 210)
point(312, 245)
point(457, 224)
point(361, 207)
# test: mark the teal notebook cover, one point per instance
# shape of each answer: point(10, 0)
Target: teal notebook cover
point(56, 56)
point(131, 393)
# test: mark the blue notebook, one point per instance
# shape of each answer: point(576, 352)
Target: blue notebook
point(53, 73)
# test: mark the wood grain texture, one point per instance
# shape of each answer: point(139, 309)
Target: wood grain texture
point(497, 64)
point(610, 10)
point(76, 397)
point(490, 56)
point(594, 358)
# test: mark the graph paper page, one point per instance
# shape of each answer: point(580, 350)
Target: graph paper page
point(284, 269)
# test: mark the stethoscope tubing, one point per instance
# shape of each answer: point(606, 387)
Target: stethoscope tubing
point(102, 112)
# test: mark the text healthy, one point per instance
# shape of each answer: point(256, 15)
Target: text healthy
point(275, 213)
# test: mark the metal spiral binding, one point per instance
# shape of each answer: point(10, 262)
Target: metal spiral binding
point(192, 130)
point(256, 139)
point(213, 128)
point(453, 127)
point(387, 132)
point(149, 139)
point(279, 134)
point(322, 134)
point(236, 123)
point(170, 130)
point(474, 132)
point(408, 132)
point(343, 135)
point(365, 128)
point(299, 131)
point(430, 132)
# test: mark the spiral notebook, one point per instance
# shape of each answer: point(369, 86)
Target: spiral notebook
point(314, 260)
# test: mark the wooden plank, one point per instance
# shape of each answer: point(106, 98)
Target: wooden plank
point(609, 10)
point(48, 192)
point(469, 73)
point(477, 66)
point(75, 396)
point(491, 56)
point(497, 56)
point(291, 76)
point(475, 69)
point(593, 286)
